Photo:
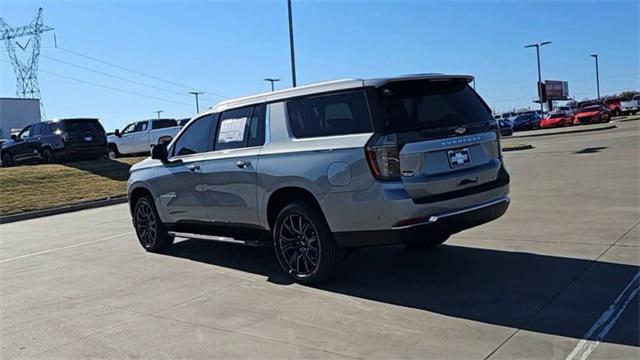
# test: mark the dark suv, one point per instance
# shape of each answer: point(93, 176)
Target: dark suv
point(55, 140)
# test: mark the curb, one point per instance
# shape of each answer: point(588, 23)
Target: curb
point(62, 210)
point(566, 132)
point(517, 148)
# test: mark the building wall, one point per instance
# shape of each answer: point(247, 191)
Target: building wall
point(16, 114)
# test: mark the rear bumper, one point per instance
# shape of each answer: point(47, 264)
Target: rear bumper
point(85, 150)
point(447, 222)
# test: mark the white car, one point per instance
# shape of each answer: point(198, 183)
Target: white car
point(138, 137)
point(632, 106)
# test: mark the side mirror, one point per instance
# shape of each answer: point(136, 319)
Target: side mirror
point(14, 137)
point(117, 133)
point(159, 152)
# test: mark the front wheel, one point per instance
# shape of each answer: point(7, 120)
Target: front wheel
point(151, 232)
point(48, 157)
point(304, 244)
point(112, 153)
point(7, 160)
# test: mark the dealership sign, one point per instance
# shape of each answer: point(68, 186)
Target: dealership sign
point(556, 90)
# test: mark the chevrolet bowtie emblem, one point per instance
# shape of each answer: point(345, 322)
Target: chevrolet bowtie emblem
point(460, 130)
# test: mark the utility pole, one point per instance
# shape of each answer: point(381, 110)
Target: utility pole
point(271, 80)
point(597, 74)
point(158, 112)
point(537, 46)
point(196, 93)
point(293, 57)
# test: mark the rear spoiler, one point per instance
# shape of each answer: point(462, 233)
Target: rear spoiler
point(436, 77)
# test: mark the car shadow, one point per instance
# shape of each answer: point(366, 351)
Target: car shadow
point(112, 169)
point(497, 287)
point(591, 150)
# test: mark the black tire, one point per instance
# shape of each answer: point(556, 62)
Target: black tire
point(7, 160)
point(112, 152)
point(48, 157)
point(304, 244)
point(150, 230)
point(432, 241)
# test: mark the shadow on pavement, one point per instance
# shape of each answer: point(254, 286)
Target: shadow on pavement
point(491, 286)
point(112, 169)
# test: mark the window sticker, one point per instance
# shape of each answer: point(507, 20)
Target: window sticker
point(232, 130)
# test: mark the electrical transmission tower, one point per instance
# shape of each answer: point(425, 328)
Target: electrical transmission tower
point(27, 71)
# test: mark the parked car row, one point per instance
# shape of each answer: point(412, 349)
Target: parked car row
point(84, 138)
point(587, 112)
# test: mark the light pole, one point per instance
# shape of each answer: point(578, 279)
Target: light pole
point(271, 80)
point(537, 46)
point(158, 112)
point(196, 93)
point(293, 57)
point(597, 74)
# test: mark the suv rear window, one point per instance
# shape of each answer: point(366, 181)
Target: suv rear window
point(328, 115)
point(78, 126)
point(421, 104)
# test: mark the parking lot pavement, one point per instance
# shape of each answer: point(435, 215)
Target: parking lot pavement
point(537, 283)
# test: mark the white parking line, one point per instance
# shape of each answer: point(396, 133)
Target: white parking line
point(64, 247)
point(606, 321)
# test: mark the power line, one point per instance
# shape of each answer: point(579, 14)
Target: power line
point(110, 87)
point(138, 72)
point(114, 76)
point(114, 88)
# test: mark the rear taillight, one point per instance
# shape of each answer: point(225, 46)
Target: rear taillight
point(383, 156)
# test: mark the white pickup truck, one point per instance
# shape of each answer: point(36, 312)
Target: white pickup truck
point(632, 106)
point(139, 136)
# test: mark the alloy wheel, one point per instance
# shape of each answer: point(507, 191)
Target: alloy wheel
point(299, 245)
point(146, 224)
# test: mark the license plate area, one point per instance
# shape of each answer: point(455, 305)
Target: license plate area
point(459, 158)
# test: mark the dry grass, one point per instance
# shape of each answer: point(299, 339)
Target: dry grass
point(37, 187)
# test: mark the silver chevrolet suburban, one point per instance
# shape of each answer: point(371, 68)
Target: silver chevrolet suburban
point(317, 169)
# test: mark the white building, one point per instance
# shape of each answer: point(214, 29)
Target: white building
point(15, 114)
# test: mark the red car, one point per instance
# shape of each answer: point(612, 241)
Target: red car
point(556, 119)
point(591, 115)
point(613, 105)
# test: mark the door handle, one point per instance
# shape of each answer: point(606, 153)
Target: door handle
point(193, 168)
point(243, 164)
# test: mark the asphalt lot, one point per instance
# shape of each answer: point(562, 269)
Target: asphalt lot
point(559, 267)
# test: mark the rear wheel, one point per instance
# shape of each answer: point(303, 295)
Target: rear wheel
point(304, 244)
point(427, 243)
point(7, 160)
point(48, 157)
point(151, 232)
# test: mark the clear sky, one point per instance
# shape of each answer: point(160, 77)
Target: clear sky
point(227, 48)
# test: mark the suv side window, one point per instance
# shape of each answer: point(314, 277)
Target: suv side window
point(141, 126)
point(327, 115)
point(36, 130)
point(257, 126)
point(232, 130)
point(196, 138)
point(25, 133)
point(46, 129)
point(129, 128)
point(164, 123)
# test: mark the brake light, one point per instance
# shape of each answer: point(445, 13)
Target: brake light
point(383, 157)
